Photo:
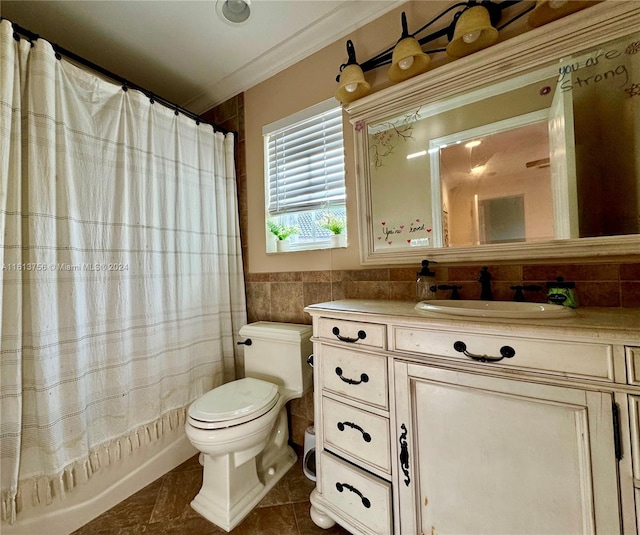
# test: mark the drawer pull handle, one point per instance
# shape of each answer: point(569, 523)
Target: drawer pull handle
point(506, 352)
point(365, 500)
point(361, 336)
point(404, 455)
point(364, 378)
point(365, 436)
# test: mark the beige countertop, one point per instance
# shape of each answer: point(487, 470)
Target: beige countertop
point(606, 325)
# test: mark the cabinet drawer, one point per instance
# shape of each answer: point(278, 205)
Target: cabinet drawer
point(566, 358)
point(362, 496)
point(356, 332)
point(362, 435)
point(633, 365)
point(356, 375)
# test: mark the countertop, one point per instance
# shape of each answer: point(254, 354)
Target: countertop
point(606, 325)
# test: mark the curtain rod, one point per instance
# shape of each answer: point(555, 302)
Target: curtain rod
point(126, 84)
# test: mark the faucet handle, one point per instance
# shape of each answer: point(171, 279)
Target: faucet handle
point(519, 296)
point(454, 290)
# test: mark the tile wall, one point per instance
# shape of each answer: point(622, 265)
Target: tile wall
point(283, 296)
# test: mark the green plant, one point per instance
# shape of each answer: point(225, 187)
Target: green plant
point(333, 223)
point(280, 231)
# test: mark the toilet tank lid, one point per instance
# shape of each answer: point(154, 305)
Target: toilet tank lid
point(292, 332)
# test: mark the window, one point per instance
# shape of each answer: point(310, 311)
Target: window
point(304, 171)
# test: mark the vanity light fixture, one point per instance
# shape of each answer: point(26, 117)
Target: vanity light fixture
point(352, 84)
point(472, 144)
point(550, 10)
point(474, 30)
point(408, 59)
point(233, 11)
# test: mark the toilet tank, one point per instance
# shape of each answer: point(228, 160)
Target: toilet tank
point(278, 353)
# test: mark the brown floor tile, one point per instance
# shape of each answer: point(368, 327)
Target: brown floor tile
point(193, 525)
point(131, 512)
point(163, 508)
point(275, 520)
point(306, 525)
point(278, 495)
point(190, 464)
point(298, 485)
point(175, 495)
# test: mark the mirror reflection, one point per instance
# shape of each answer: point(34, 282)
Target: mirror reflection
point(553, 154)
point(496, 188)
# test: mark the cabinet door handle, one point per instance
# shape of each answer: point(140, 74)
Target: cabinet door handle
point(365, 500)
point(361, 336)
point(365, 436)
point(404, 455)
point(506, 352)
point(364, 378)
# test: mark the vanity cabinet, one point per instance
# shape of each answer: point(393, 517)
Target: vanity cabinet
point(494, 455)
point(416, 435)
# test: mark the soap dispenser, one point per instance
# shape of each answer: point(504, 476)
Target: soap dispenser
point(426, 282)
point(563, 293)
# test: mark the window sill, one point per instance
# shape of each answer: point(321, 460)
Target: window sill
point(310, 247)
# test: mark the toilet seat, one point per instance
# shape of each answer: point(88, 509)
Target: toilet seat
point(233, 403)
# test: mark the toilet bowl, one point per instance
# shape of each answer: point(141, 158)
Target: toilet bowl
point(241, 427)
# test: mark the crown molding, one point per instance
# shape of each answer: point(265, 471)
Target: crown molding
point(311, 39)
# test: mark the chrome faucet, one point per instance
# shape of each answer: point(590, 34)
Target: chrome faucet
point(485, 280)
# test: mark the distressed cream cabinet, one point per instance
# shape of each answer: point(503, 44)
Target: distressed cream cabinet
point(420, 431)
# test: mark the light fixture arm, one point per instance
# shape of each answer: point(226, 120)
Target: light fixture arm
point(351, 57)
point(405, 27)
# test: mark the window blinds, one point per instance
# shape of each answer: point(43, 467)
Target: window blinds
point(306, 164)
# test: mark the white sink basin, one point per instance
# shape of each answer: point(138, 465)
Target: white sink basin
point(496, 309)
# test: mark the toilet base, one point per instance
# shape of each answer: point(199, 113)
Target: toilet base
point(209, 504)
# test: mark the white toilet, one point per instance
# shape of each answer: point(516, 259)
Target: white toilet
point(241, 427)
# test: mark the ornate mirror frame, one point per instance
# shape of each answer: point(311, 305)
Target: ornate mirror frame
point(536, 48)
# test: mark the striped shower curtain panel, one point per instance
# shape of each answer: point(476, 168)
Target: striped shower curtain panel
point(121, 289)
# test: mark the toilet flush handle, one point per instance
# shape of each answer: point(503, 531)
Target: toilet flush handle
point(247, 342)
point(310, 360)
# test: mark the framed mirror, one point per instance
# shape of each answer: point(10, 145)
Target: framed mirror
point(527, 150)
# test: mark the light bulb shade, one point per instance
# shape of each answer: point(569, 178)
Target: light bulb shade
point(350, 75)
point(545, 12)
point(409, 47)
point(474, 19)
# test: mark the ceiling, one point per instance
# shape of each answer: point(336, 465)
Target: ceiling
point(515, 154)
point(182, 50)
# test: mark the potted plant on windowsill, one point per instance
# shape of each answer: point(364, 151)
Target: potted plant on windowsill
point(336, 225)
point(281, 232)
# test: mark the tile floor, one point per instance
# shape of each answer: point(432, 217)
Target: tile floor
point(163, 508)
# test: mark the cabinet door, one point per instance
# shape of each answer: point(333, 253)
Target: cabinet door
point(492, 455)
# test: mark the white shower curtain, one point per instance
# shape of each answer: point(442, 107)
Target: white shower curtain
point(121, 284)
